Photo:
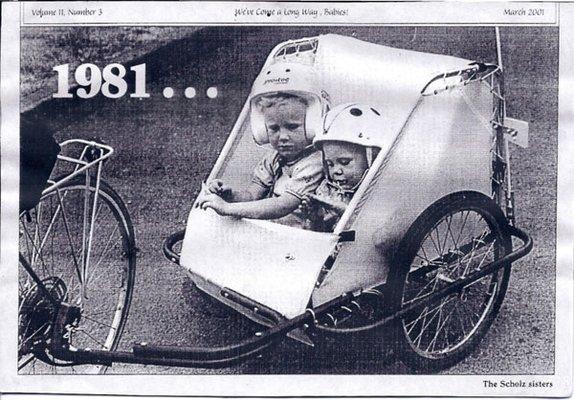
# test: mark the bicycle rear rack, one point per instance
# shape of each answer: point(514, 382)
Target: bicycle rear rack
point(218, 357)
point(92, 153)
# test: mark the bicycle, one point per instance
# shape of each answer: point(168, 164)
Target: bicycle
point(77, 246)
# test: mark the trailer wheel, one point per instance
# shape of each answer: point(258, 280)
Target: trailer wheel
point(458, 235)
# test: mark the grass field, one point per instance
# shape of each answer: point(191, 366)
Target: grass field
point(165, 147)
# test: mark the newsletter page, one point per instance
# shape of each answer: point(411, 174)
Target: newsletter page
point(287, 199)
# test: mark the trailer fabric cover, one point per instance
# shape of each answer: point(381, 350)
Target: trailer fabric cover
point(354, 71)
point(445, 148)
point(273, 264)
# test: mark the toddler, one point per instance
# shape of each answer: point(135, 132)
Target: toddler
point(282, 178)
point(350, 142)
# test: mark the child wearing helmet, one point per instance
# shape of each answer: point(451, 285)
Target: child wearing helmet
point(349, 143)
point(282, 178)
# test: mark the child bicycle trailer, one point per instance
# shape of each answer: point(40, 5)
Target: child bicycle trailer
point(427, 236)
point(423, 252)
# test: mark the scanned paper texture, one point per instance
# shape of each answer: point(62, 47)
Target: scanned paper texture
point(286, 199)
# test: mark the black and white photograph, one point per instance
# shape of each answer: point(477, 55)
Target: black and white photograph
point(316, 197)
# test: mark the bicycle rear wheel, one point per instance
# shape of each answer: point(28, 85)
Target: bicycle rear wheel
point(57, 237)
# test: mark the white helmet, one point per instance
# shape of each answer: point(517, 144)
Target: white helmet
point(290, 78)
point(355, 123)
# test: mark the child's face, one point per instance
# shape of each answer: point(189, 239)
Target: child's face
point(346, 163)
point(285, 123)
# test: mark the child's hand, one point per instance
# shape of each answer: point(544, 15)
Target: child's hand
point(216, 186)
point(213, 201)
point(331, 204)
point(306, 207)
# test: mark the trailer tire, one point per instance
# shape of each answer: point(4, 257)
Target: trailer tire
point(438, 336)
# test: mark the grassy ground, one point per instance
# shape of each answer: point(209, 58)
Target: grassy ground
point(165, 147)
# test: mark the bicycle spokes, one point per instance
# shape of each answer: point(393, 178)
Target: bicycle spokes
point(81, 256)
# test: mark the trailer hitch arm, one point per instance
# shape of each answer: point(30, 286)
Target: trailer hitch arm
point(183, 356)
point(250, 345)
